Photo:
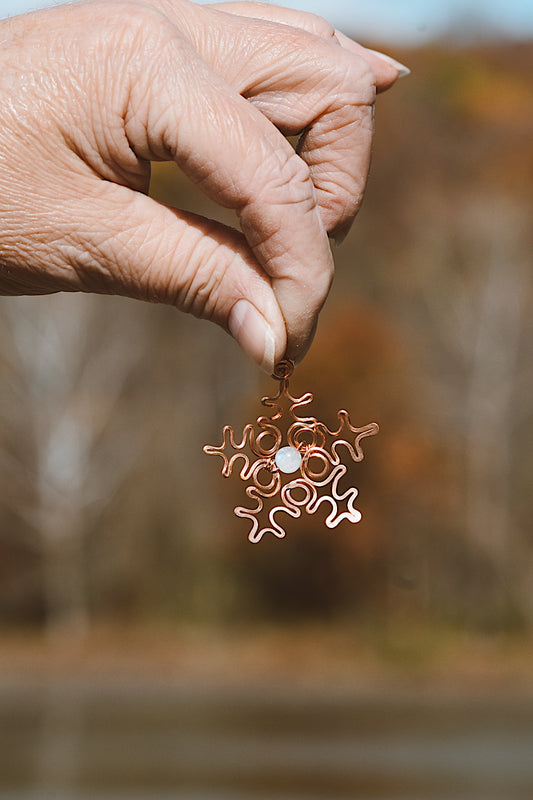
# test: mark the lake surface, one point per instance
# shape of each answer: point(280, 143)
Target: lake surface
point(82, 740)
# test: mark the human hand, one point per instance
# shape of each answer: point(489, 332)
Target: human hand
point(92, 92)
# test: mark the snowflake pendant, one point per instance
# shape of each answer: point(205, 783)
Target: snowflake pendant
point(292, 462)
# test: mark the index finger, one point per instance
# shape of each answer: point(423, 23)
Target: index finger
point(238, 158)
point(309, 86)
point(326, 93)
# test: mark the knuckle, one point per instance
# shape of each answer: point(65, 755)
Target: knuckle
point(317, 25)
point(284, 177)
point(129, 20)
point(355, 80)
point(132, 34)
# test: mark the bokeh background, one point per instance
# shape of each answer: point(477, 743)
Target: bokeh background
point(146, 648)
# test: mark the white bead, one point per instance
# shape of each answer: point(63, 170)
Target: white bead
point(288, 459)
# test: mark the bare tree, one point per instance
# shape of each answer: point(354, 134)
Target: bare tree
point(66, 360)
point(477, 284)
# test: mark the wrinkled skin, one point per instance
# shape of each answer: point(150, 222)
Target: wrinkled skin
point(92, 92)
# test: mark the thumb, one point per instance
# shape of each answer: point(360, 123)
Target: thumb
point(143, 249)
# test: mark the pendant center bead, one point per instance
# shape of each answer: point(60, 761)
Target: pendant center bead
point(288, 459)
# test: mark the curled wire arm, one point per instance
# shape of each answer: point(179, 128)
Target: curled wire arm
point(228, 437)
point(270, 453)
point(349, 496)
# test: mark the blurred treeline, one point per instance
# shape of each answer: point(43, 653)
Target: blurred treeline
point(109, 510)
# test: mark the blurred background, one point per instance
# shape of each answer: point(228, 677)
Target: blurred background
point(147, 649)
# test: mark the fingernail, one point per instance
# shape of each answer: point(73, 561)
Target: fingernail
point(251, 330)
point(402, 69)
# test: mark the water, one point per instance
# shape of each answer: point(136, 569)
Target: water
point(81, 740)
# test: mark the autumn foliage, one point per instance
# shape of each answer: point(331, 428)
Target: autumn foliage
point(427, 331)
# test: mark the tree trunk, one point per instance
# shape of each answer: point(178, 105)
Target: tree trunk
point(489, 428)
point(64, 584)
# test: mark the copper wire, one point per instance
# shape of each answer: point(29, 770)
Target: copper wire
point(321, 467)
